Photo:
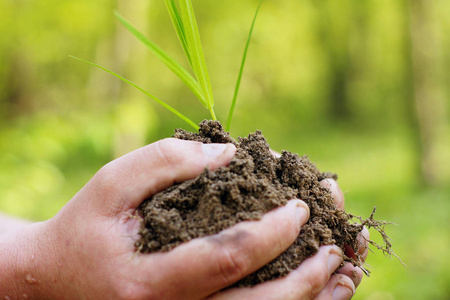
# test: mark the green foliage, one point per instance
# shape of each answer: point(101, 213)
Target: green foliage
point(60, 121)
point(195, 51)
point(167, 106)
point(186, 28)
point(184, 75)
point(241, 70)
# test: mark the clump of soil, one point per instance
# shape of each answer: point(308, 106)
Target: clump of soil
point(254, 183)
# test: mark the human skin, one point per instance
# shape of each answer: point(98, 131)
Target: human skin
point(86, 251)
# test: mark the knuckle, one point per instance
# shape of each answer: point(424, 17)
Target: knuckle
point(306, 290)
point(286, 236)
point(167, 151)
point(319, 281)
point(105, 179)
point(232, 265)
point(316, 280)
point(287, 232)
point(132, 291)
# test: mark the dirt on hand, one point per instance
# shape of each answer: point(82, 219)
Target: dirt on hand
point(254, 183)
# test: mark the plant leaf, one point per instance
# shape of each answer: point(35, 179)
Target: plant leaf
point(241, 70)
point(178, 25)
point(167, 106)
point(184, 75)
point(196, 52)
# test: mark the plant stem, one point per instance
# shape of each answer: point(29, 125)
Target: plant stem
point(184, 75)
point(196, 54)
point(213, 115)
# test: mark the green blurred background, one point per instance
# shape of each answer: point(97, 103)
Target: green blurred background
point(359, 85)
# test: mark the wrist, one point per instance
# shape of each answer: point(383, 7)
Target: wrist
point(10, 224)
point(27, 263)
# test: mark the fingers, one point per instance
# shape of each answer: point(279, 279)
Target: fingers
point(363, 249)
point(329, 183)
point(363, 238)
point(305, 282)
point(127, 181)
point(338, 197)
point(352, 272)
point(336, 192)
point(222, 259)
point(339, 287)
point(275, 153)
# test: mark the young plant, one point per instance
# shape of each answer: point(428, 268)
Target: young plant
point(186, 28)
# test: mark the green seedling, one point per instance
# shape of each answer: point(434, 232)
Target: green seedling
point(186, 28)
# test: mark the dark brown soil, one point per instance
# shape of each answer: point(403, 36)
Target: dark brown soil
point(254, 183)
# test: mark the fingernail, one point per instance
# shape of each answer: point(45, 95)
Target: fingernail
point(326, 183)
point(342, 292)
point(334, 260)
point(213, 151)
point(302, 213)
point(336, 192)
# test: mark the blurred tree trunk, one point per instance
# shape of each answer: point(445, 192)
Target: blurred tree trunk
point(17, 83)
point(18, 72)
point(425, 101)
point(339, 82)
point(333, 29)
point(114, 52)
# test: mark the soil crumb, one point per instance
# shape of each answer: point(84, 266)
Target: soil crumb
point(254, 183)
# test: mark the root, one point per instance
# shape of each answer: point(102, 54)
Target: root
point(386, 248)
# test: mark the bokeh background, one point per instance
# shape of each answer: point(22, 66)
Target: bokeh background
point(361, 86)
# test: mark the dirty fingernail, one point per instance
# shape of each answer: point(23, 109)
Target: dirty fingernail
point(334, 260)
point(213, 151)
point(302, 213)
point(342, 293)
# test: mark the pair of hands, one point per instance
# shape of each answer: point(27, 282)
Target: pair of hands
point(87, 250)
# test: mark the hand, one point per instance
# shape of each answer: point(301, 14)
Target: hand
point(343, 284)
point(9, 224)
point(315, 278)
point(86, 251)
point(348, 271)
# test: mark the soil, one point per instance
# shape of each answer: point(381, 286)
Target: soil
point(254, 183)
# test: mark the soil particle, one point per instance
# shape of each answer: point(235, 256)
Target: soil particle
point(254, 183)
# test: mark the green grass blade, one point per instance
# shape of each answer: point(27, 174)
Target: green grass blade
point(184, 75)
point(196, 52)
point(167, 106)
point(241, 70)
point(178, 25)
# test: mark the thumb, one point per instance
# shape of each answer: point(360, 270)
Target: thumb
point(125, 182)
